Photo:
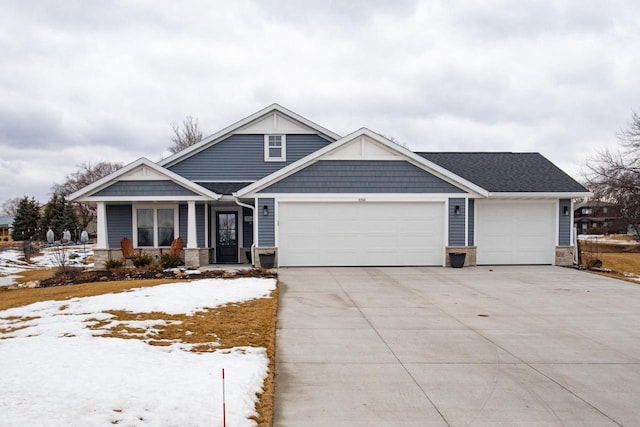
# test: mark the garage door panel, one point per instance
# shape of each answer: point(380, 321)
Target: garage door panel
point(346, 234)
point(515, 232)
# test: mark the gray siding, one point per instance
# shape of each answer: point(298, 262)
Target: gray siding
point(119, 224)
point(200, 220)
point(471, 216)
point(144, 188)
point(200, 224)
point(362, 176)
point(247, 228)
point(241, 157)
point(456, 222)
point(266, 224)
point(564, 229)
point(183, 213)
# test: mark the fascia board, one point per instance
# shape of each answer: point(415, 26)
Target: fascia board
point(360, 197)
point(538, 195)
point(147, 199)
point(220, 135)
point(81, 195)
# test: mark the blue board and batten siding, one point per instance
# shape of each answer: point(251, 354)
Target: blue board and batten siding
point(456, 222)
point(247, 228)
point(564, 223)
point(119, 224)
point(362, 176)
point(266, 223)
point(470, 218)
point(241, 157)
point(144, 188)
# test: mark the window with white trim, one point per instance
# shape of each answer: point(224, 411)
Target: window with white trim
point(275, 148)
point(155, 226)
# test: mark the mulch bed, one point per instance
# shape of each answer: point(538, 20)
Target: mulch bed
point(75, 276)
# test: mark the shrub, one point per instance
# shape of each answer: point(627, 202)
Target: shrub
point(170, 261)
point(74, 256)
point(113, 263)
point(142, 260)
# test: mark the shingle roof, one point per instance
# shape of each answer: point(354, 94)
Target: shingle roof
point(223, 187)
point(6, 220)
point(507, 172)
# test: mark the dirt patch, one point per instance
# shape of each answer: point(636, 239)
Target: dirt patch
point(77, 276)
point(251, 323)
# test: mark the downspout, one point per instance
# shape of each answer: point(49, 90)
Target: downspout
point(253, 241)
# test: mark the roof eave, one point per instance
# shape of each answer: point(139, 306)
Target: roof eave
point(538, 195)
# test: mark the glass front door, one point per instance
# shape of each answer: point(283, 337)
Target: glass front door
point(226, 237)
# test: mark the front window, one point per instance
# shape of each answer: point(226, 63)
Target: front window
point(587, 211)
point(165, 227)
point(155, 227)
point(145, 227)
point(275, 148)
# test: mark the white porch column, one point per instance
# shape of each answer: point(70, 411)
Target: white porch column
point(192, 236)
point(102, 226)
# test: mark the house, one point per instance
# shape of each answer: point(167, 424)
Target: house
point(276, 182)
point(598, 217)
point(5, 228)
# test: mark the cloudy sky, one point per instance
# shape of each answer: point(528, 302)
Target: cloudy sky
point(84, 81)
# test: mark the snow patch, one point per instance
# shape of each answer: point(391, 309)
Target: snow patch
point(62, 373)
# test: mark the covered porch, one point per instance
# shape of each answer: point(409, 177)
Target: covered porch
point(214, 232)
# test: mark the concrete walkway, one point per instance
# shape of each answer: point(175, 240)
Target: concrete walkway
point(475, 346)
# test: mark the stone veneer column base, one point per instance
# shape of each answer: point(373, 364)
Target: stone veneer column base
point(469, 260)
point(100, 257)
point(192, 257)
point(256, 262)
point(564, 255)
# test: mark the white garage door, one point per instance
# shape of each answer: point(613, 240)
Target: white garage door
point(360, 234)
point(510, 232)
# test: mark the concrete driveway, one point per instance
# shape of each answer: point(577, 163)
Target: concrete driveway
point(475, 346)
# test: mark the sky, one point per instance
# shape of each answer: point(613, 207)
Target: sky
point(92, 80)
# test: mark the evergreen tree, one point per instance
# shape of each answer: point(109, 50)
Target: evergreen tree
point(25, 224)
point(59, 216)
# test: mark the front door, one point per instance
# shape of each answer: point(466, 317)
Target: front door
point(227, 237)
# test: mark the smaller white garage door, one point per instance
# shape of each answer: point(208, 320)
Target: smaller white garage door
point(515, 232)
point(360, 234)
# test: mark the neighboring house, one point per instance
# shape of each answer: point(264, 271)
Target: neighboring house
point(596, 217)
point(5, 228)
point(277, 182)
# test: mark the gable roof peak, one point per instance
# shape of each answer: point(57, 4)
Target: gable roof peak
point(229, 130)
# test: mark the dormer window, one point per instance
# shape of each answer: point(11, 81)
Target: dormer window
point(275, 148)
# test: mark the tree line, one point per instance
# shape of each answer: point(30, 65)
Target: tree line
point(31, 221)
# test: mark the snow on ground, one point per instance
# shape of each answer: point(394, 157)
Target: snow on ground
point(12, 260)
point(55, 371)
point(601, 238)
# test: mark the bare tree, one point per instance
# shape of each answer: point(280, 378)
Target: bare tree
point(615, 175)
point(185, 134)
point(86, 174)
point(10, 207)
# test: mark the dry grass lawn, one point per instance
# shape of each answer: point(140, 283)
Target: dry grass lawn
point(621, 262)
point(251, 323)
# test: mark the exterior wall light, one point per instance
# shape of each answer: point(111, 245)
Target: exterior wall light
point(456, 210)
point(265, 210)
point(565, 210)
